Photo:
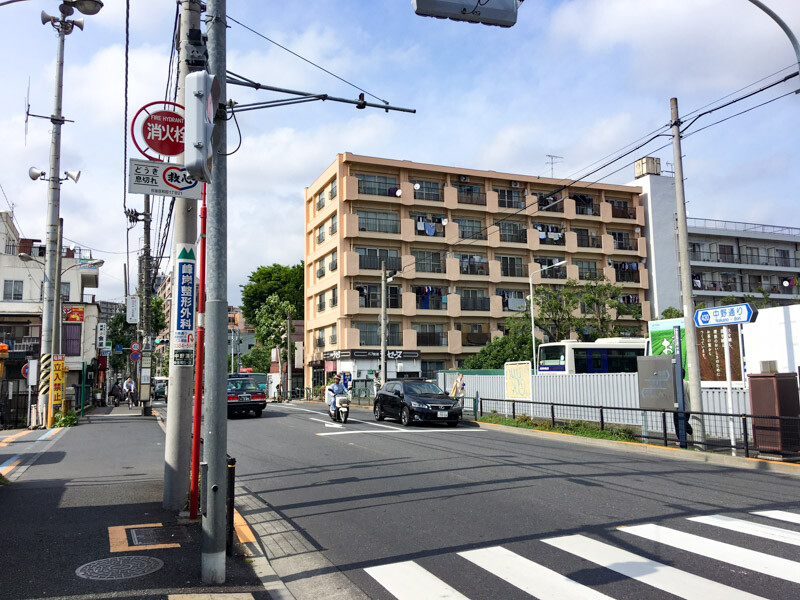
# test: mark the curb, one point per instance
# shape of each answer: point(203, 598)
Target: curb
point(738, 462)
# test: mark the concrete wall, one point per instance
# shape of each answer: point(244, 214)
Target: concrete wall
point(775, 335)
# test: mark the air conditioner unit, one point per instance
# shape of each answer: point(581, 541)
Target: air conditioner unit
point(463, 178)
point(515, 184)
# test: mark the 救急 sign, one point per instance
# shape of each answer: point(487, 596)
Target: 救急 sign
point(162, 179)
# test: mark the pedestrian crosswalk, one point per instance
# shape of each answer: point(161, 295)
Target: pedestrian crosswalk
point(409, 580)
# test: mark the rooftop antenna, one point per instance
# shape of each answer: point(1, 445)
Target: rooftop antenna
point(553, 160)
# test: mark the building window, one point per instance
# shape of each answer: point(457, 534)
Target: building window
point(470, 229)
point(12, 289)
point(370, 334)
point(320, 269)
point(377, 185)
point(509, 198)
point(427, 262)
point(381, 222)
point(334, 296)
point(332, 266)
point(427, 190)
point(512, 266)
point(371, 258)
point(622, 240)
point(431, 367)
point(334, 224)
point(321, 302)
point(472, 264)
point(369, 295)
point(587, 269)
point(71, 339)
point(320, 234)
point(512, 231)
point(333, 189)
point(321, 200)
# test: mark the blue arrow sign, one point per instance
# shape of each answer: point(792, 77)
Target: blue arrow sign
point(118, 348)
point(724, 315)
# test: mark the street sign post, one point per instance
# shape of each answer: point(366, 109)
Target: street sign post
point(132, 309)
point(726, 316)
point(135, 356)
point(135, 346)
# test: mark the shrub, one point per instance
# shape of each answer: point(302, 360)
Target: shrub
point(69, 419)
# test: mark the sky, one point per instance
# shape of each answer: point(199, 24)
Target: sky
point(579, 79)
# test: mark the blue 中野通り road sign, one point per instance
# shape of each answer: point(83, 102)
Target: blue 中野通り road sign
point(734, 314)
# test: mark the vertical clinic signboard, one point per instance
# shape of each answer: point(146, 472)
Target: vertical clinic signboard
point(182, 341)
point(57, 382)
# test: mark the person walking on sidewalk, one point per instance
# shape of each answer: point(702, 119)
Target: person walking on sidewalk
point(116, 393)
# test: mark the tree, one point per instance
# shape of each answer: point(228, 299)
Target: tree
point(258, 359)
point(285, 282)
point(556, 308)
point(515, 345)
point(270, 325)
point(599, 297)
point(671, 313)
point(120, 333)
point(158, 319)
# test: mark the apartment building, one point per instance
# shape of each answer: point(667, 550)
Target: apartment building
point(464, 244)
point(727, 258)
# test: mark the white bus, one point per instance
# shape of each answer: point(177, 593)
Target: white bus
point(606, 355)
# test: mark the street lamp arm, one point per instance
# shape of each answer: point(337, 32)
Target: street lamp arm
point(782, 25)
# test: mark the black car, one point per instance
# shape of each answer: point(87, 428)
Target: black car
point(416, 402)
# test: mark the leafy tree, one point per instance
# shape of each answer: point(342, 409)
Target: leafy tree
point(122, 333)
point(258, 359)
point(515, 345)
point(270, 325)
point(158, 318)
point(763, 302)
point(671, 313)
point(599, 297)
point(556, 308)
point(285, 282)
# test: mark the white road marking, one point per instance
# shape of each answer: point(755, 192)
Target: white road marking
point(766, 531)
point(408, 581)
point(779, 514)
point(325, 423)
point(655, 574)
point(751, 560)
point(529, 576)
point(408, 431)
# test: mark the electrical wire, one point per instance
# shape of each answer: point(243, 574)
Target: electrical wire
point(125, 137)
point(261, 35)
point(11, 206)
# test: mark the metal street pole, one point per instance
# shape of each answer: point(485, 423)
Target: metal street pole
point(289, 357)
point(144, 389)
point(194, 484)
point(383, 323)
point(216, 424)
point(57, 318)
point(533, 327)
point(178, 445)
point(692, 360)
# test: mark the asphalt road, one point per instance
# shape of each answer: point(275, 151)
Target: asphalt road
point(370, 507)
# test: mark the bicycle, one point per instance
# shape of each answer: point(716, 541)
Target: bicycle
point(129, 398)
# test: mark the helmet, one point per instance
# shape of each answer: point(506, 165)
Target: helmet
point(337, 377)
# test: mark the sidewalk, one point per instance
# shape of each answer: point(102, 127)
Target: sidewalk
point(93, 493)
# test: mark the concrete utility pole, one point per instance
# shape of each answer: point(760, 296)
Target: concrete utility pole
point(383, 323)
point(216, 424)
point(57, 296)
point(178, 446)
point(692, 360)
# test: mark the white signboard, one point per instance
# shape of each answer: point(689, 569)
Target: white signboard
point(102, 332)
point(162, 179)
point(144, 376)
point(132, 306)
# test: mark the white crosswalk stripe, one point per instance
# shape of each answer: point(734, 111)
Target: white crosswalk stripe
point(765, 531)
point(779, 514)
point(408, 581)
point(741, 557)
point(529, 576)
point(660, 576)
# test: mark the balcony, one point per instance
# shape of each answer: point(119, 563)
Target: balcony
point(429, 195)
point(373, 338)
point(473, 268)
point(744, 259)
point(377, 188)
point(625, 245)
point(319, 342)
point(474, 339)
point(513, 270)
point(433, 303)
point(431, 338)
point(320, 272)
point(370, 261)
point(551, 205)
point(590, 210)
point(429, 266)
point(378, 225)
point(554, 273)
point(628, 276)
point(471, 233)
point(589, 241)
point(517, 237)
point(468, 197)
point(475, 303)
point(627, 212)
point(587, 274)
point(510, 203)
point(373, 300)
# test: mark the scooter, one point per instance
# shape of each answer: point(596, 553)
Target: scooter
point(342, 408)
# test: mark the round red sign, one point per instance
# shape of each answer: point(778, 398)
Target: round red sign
point(163, 132)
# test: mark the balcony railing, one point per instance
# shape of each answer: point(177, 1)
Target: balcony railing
point(744, 259)
point(478, 198)
point(321, 236)
point(373, 338)
point(332, 265)
point(628, 275)
point(429, 195)
point(429, 266)
point(474, 339)
point(320, 272)
point(554, 273)
point(373, 300)
point(548, 241)
point(519, 237)
point(627, 212)
point(332, 339)
point(475, 303)
point(378, 225)
point(434, 303)
point(545, 205)
point(510, 203)
point(587, 241)
point(431, 338)
point(319, 342)
point(437, 231)
point(592, 210)
point(468, 268)
point(471, 233)
point(334, 301)
point(377, 188)
point(740, 226)
point(586, 274)
point(320, 203)
point(370, 261)
point(332, 229)
point(320, 306)
point(725, 287)
point(624, 245)
point(513, 270)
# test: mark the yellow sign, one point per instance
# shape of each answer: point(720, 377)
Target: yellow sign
point(57, 382)
point(518, 380)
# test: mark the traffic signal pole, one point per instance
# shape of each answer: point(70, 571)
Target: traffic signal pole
point(216, 424)
point(194, 485)
point(178, 446)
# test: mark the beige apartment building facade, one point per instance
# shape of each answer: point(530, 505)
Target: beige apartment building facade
point(464, 244)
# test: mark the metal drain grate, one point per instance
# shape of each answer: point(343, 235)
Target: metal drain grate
point(151, 536)
point(119, 567)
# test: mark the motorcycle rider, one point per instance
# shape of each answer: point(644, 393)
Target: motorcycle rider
point(337, 387)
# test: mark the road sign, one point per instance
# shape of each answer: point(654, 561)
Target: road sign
point(724, 315)
point(105, 352)
point(132, 309)
point(135, 346)
point(25, 370)
point(163, 179)
point(163, 132)
point(135, 356)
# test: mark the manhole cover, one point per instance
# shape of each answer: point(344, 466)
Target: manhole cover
point(119, 567)
point(150, 536)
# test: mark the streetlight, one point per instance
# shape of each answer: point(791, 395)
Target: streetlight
point(64, 27)
point(560, 263)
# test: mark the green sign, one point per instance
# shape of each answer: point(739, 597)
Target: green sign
point(661, 340)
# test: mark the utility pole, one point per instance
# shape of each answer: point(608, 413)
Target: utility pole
point(178, 445)
point(289, 357)
point(383, 323)
point(216, 424)
point(692, 360)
